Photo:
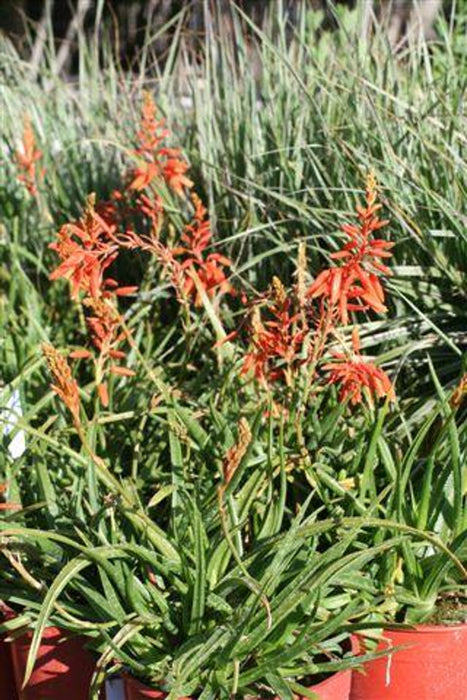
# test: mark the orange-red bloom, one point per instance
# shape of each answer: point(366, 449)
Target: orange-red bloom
point(152, 131)
point(157, 161)
point(209, 268)
point(27, 157)
point(86, 249)
point(355, 285)
point(356, 376)
point(275, 344)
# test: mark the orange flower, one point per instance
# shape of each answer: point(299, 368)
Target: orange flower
point(157, 161)
point(143, 176)
point(86, 249)
point(151, 132)
point(276, 344)
point(65, 386)
point(27, 157)
point(211, 276)
point(355, 286)
point(174, 169)
point(356, 376)
point(208, 268)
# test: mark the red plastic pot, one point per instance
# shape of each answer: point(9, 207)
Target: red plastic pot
point(134, 690)
point(7, 678)
point(431, 666)
point(63, 668)
point(336, 687)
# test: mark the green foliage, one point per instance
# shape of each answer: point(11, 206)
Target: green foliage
point(335, 519)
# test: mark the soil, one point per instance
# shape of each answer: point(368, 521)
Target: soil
point(451, 609)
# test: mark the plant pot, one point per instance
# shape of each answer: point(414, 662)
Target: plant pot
point(336, 687)
point(7, 678)
point(135, 690)
point(432, 665)
point(63, 668)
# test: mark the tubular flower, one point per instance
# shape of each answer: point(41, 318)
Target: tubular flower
point(355, 285)
point(157, 161)
point(27, 157)
point(174, 170)
point(64, 385)
point(107, 334)
point(152, 131)
point(237, 452)
point(209, 268)
point(356, 376)
point(86, 249)
point(275, 345)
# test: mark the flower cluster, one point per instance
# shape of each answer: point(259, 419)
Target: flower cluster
point(27, 157)
point(188, 264)
point(287, 331)
point(357, 377)
point(88, 248)
point(296, 333)
point(355, 285)
point(276, 343)
point(157, 161)
point(209, 268)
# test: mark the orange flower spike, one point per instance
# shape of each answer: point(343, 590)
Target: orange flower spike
point(105, 327)
point(86, 249)
point(151, 132)
point(208, 268)
point(236, 453)
point(158, 161)
point(64, 385)
point(355, 285)
point(27, 157)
